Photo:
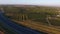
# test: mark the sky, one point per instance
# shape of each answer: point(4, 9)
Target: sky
point(32, 2)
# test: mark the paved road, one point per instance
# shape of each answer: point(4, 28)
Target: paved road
point(12, 28)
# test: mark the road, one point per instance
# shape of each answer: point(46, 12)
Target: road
point(13, 28)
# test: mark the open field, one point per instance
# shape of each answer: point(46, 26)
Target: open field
point(55, 22)
point(37, 14)
point(39, 27)
point(41, 15)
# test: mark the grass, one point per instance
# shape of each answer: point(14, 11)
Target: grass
point(37, 14)
point(35, 17)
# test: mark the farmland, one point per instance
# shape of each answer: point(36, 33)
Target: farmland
point(36, 13)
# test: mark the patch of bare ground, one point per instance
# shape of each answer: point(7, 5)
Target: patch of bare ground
point(39, 27)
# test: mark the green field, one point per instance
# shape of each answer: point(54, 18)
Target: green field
point(38, 14)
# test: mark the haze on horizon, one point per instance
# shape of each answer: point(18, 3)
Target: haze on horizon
point(31, 2)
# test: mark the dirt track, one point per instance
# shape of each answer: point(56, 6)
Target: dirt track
point(40, 27)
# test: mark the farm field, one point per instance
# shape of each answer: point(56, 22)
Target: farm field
point(40, 15)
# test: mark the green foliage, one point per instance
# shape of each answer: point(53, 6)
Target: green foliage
point(36, 13)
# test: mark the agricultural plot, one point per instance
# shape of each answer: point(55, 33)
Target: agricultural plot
point(38, 14)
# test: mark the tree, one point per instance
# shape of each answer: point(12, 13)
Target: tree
point(24, 14)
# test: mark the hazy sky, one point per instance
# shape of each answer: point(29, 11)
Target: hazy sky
point(32, 2)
